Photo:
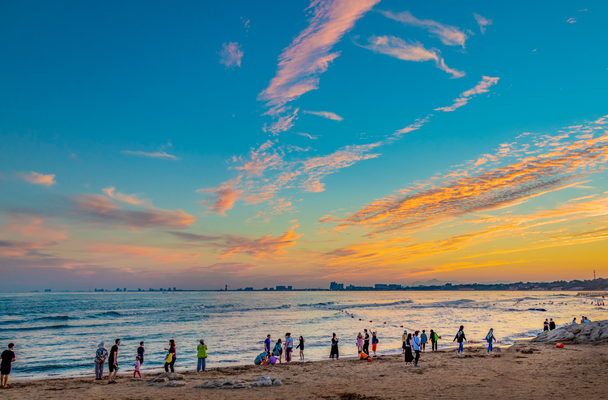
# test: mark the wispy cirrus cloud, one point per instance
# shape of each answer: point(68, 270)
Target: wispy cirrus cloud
point(325, 114)
point(538, 168)
point(482, 87)
point(157, 154)
point(231, 54)
point(309, 55)
point(449, 35)
point(39, 179)
point(482, 22)
point(307, 135)
point(408, 51)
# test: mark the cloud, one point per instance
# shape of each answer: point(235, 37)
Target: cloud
point(231, 268)
point(482, 22)
point(325, 114)
point(283, 123)
point(481, 87)
point(231, 54)
point(408, 51)
point(449, 35)
point(308, 55)
point(222, 197)
point(125, 198)
point(484, 190)
point(39, 179)
point(101, 209)
point(194, 237)
point(264, 247)
point(307, 135)
point(571, 20)
point(153, 155)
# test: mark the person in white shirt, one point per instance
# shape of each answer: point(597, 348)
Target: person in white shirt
point(288, 347)
point(416, 346)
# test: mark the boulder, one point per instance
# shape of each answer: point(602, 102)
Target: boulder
point(259, 381)
point(587, 333)
point(276, 382)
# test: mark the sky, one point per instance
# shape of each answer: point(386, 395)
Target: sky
point(196, 145)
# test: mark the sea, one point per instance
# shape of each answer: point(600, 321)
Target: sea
point(57, 334)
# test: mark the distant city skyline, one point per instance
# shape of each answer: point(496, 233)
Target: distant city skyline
point(258, 144)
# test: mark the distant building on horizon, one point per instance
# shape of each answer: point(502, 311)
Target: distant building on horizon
point(336, 286)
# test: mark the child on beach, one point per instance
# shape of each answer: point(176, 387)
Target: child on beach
point(403, 340)
point(460, 337)
point(137, 365)
point(278, 351)
point(489, 338)
point(359, 343)
point(301, 347)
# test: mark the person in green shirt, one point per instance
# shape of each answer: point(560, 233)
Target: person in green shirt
point(202, 356)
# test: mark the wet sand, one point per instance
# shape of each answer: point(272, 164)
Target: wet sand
point(523, 371)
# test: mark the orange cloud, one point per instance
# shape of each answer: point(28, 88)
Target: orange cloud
point(264, 247)
point(125, 198)
point(223, 197)
point(488, 190)
point(39, 179)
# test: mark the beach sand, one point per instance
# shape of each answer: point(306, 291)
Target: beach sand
point(523, 371)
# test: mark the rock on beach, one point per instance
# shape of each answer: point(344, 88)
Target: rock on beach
point(587, 333)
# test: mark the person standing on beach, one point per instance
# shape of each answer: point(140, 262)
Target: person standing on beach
point(366, 342)
point(434, 340)
point(278, 351)
point(267, 344)
point(408, 350)
point(100, 360)
point(416, 347)
point(113, 362)
point(374, 342)
point(574, 321)
point(171, 356)
point(288, 347)
point(201, 354)
point(359, 343)
point(335, 352)
point(140, 352)
point(8, 357)
point(460, 337)
point(489, 338)
point(551, 324)
point(403, 340)
point(546, 325)
point(423, 340)
point(301, 347)
point(137, 366)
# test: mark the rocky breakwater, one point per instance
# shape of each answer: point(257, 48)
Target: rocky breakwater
point(587, 333)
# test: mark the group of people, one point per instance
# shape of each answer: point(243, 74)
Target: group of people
point(549, 324)
point(271, 356)
point(584, 319)
point(112, 358)
point(363, 342)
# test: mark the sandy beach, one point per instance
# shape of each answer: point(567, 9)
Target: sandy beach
point(525, 370)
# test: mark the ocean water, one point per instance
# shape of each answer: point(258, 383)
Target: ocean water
point(57, 334)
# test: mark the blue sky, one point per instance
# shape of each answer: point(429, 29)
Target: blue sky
point(159, 100)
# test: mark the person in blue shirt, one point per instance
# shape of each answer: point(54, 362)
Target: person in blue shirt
point(140, 352)
point(423, 340)
point(489, 338)
point(416, 347)
point(267, 344)
point(288, 347)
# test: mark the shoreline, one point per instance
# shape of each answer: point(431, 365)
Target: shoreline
point(523, 370)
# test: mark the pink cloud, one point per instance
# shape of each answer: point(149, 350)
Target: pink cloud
point(482, 22)
point(408, 51)
point(309, 55)
point(449, 35)
point(125, 198)
point(158, 154)
point(482, 87)
point(222, 197)
point(325, 114)
point(264, 247)
point(39, 179)
point(231, 54)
